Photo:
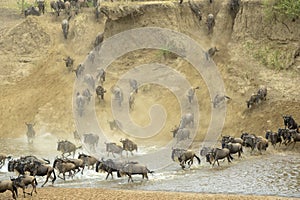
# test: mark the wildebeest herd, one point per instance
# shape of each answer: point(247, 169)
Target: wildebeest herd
point(28, 167)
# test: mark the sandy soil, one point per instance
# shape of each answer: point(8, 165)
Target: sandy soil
point(91, 193)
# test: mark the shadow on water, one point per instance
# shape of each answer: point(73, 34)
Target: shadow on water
point(276, 172)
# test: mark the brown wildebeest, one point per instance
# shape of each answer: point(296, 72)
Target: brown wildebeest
point(113, 148)
point(217, 154)
point(30, 132)
point(9, 185)
point(130, 169)
point(129, 145)
point(66, 146)
point(88, 160)
point(23, 182)
point(188, 156)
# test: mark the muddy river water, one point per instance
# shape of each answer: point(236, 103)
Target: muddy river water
point(276, 172)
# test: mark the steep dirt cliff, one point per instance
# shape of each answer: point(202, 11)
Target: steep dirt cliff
point(254, 50)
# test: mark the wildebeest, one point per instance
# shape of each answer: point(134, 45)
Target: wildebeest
point(30, 132)
point(182, 134)
point(64, 166)
point(110, 166)
point(76, 136)
point(273, 137)
point(91, 139)
point(295, 137)
point(130, 169)
point(210, 22)
point(88, 160)
point(67, 7)
point(31, 11)
point(217, 154)
point(41, 6)
point(191, 93)
point(80, 103)
point(205, 150)
point(234, 148)
point(255, 99)
point(114, 124)
point(261, 144)
point(249, 140)
point(118, 94)
point(196, 10)
point(234, 6)
point(87, 94)
point(113, 148)
point(227, 139)
point(187, 120)
point(54, 6)
point(133, 85)
point(100, 91)
point(69, 63)
point(3, 157)
point(79, 164)
point(65, 26)
point(177, 152)
point(23, 182)
point(89, 80)
point(188, 156)
point(211, 52)
point(290, 123)
point(219, 99)
point(100, 75)
point(98, 40)
point(9, 185)
point(131, 100)
point(129, 145)
point(79, 70)
point(35, 168)
point(66, 146)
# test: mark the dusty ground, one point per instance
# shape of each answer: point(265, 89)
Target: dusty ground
point(36, 86)
point(89, 193)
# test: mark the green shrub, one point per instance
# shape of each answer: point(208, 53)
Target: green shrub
point(282, 8)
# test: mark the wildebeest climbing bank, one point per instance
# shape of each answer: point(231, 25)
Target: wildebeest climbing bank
point(56, 92)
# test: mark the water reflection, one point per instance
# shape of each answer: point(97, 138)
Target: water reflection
point(274, 173)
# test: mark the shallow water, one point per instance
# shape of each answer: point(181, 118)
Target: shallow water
point(273, 173)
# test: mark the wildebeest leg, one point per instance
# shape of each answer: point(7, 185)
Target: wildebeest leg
point(130, 177)
point(228, 158)
point(107, 175)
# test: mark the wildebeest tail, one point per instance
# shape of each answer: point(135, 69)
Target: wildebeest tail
point(151, 172)
point(199, 161)
point(46, 160)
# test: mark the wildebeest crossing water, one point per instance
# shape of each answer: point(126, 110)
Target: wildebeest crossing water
point(276, 172)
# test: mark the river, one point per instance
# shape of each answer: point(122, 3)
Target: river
point(275, 172)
